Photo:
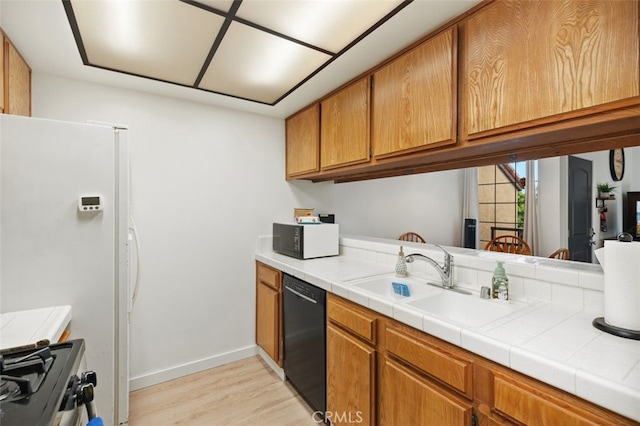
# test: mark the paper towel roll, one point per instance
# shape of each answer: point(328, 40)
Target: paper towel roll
point(622, 284)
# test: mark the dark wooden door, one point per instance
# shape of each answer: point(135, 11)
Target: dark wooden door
point(580, 214)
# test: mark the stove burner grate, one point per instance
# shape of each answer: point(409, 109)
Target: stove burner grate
point(22, 376)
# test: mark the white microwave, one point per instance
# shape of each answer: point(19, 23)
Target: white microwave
point(306, 241)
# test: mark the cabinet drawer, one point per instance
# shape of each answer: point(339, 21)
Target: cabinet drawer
point(359, 322)
point(535, 405)
point(268, 275)
point(451, 370)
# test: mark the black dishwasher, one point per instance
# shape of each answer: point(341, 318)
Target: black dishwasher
point(304, 340)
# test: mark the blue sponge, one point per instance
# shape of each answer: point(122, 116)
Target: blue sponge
point(401, 289)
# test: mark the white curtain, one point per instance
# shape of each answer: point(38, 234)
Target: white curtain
point(531, 210)
point(470, 202)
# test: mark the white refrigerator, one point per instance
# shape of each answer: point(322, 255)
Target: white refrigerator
point(58, 248)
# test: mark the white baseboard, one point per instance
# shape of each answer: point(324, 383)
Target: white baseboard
point(157, 377)
point(275, 367)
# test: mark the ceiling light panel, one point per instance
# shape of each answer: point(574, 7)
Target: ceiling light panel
point(221, 5)
point(328, 24)
point(254, 64)
point(165, 40)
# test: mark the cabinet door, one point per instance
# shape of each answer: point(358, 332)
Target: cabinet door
point(19, 84)
point(303, 142)
point(268, 320)
point(409, 399)
point(531, 60)
point(414, 98)
point(344, 126)
point(351, 370)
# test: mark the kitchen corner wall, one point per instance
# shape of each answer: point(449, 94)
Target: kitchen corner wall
point(205, 183)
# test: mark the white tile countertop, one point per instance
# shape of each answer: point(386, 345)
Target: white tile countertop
point(33, 327)
point(551, 339)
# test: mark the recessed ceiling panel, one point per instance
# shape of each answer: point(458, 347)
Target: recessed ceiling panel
point(331, 25)
point(254, 64)
point(166, 40)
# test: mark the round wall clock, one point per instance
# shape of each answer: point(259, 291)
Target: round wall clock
point(616, 163)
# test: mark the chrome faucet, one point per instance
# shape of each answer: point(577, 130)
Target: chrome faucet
point(446, 271)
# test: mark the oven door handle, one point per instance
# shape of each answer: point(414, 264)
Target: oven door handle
point(301, 295)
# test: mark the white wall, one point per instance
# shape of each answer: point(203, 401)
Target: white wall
point(552, 205)
point(429, 204)
point(205, 183)
point(631, 180)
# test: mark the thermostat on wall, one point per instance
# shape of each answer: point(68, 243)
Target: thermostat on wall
point(90, 203)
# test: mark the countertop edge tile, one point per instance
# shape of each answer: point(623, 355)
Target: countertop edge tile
point(408, 316)
point(616, 397)
point(547, 370)
point(490, 348)
point(442, 329)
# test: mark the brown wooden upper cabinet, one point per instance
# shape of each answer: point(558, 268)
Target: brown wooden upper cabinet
point(1, 72)
point(414, 98)
point(303, 142)
point(16, 80)
point(526, 63)
point(344, 126)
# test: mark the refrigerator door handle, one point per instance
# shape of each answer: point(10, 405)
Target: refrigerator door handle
point(136, 286)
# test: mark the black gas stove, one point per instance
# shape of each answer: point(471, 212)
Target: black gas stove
point(37, 384)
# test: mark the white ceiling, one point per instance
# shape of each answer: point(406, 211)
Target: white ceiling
point(42, 33)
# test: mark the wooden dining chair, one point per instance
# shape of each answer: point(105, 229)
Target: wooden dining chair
point(509, 244)
point(561, 253)
point(412, 237)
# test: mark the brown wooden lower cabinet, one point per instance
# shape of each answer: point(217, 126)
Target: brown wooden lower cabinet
point(422, 380)
point(351, 372)
point(527, 402)
point(351, 363)
point(269, 311)
point(409, 398)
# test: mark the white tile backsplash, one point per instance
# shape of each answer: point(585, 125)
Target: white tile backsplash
point(594, 302)
point(557, 275)
point(465, 275)
point(591, 280)
point(538, 290)
point(530, 277)
point(567, 295)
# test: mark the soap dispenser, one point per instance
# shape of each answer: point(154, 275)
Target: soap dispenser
point(500, 283)
point(401, 265)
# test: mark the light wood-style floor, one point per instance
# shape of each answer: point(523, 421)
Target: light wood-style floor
point(245, 392)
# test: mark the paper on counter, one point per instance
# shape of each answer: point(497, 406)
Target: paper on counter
point(622, 284)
